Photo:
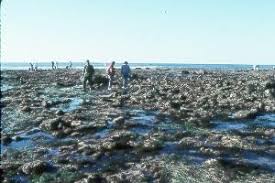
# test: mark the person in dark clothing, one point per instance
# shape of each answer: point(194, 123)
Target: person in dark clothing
point(88, 75)
point(125, 73)
point(53, 66)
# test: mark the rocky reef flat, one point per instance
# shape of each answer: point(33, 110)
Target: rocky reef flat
point(172, 125)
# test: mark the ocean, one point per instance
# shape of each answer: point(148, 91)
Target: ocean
point(80, 65)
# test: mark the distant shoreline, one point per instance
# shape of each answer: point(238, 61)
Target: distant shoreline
point(80, 65)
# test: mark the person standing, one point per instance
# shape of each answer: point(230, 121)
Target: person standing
point(53, 66)
point(88, 75)
point(111, 75)
point(70, 65)
point(56, 65)
point(31, 68)
point(125, 73)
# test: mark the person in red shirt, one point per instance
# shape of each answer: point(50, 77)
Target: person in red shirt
point(111, 73)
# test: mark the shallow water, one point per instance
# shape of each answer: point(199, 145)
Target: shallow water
point(6, 87)
point(265, 121)
point(72, 105)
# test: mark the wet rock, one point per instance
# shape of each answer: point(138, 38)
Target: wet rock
point(151, 144)
point(52, 124)
point(100, 80)
point(47, 104)
point(270, 132)
point(59, 113)
point(245, 114)
point(93, 178)
point(18, 138)
point(36, 167)
point(119, 121)
point(176, 104)
point(270, 84)
point(232, 141)
point(122, 139)
point(117, 103)
point(6, 139)
point(269, 92)
point(189, 142)
point(26, 109)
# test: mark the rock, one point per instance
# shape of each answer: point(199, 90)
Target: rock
point(47, 104)
point(26, 109)
point(6, 139)
point(117, 103)
point(18, 138)
point(270, 84)
point(36, 167)
point(59, 112)
point(188, 142)
point(245, 114)
point(100, 80)
point(119, 121)
point(51, 124)
point(151, 144)
point(270, 132)
point(176, 104)
point(211, 163)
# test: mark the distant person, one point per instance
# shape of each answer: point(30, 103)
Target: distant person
point(111, 74)
point(53, 66)
point(36, 66)
point(71, 65)
point(125, 73)
point(256, 67)
point(88, 75)
point(31, 68)
point(56, 65)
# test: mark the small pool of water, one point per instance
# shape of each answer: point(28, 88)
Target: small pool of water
point(72, 105)
point(6, 87)
point(264, 121)
point(252, 159)
point(29, 140)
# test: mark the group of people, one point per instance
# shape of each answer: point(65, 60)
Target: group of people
point(55, 65)
point(110, 71)
point(33, 66)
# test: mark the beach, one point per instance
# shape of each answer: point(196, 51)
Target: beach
point(171, 125)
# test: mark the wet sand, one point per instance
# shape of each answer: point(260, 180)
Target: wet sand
point(172, 125)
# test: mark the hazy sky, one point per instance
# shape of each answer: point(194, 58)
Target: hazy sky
point(187, 31)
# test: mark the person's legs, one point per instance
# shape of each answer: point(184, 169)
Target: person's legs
point(110, 82)
point(90, 81)
point(84, 82)
point(125, 82)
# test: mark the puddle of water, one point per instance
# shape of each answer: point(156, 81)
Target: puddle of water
point(265, 121)
point(6, 87)
point(189, 155)
point(260, 160)
point(252, 159)
point(74, 104)
point(20, 179)
point(102, 133)
point(228, 126)
point(29, 141)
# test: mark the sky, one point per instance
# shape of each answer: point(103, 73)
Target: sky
point(181, 31)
